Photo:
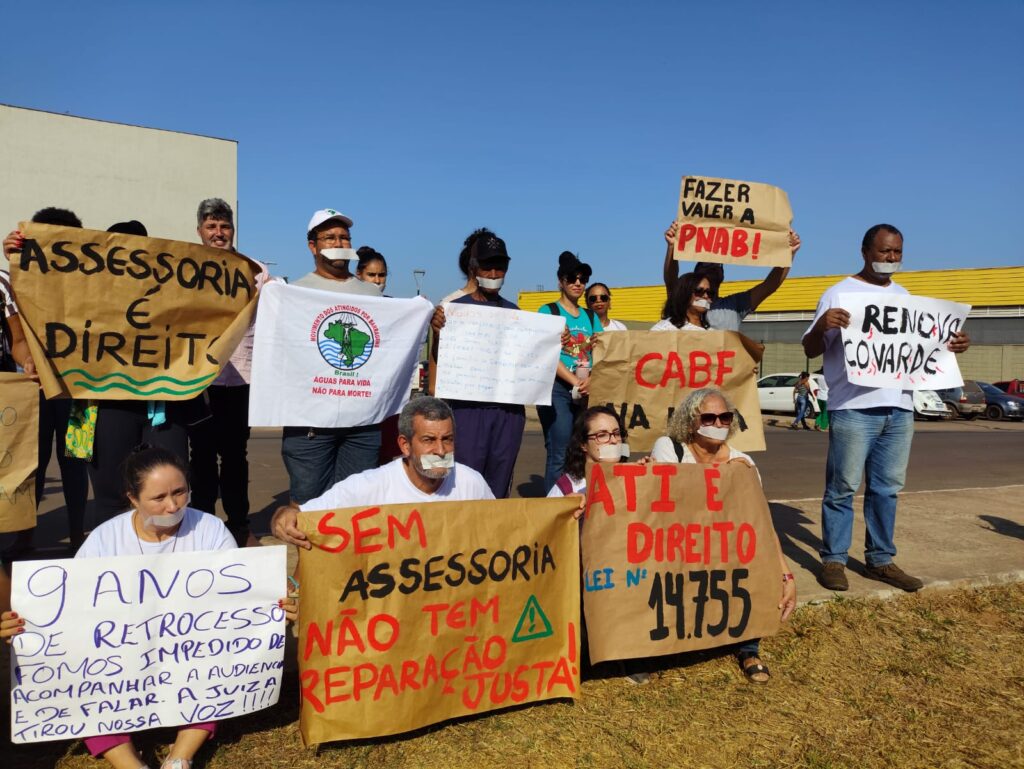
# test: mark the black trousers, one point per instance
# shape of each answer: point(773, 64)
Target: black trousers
point(74, 478)
point(225, 436)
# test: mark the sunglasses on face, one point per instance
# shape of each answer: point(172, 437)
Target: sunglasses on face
point(709, 419)
point(705, 292)
point(575, 279)
point(597, 298)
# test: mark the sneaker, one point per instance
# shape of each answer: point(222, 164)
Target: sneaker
point(893, 575)
point(833, 576)
point(639, 678)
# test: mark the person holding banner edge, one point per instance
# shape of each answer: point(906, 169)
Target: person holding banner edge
point(160, 521)
point(870, 428)
point(698, 432)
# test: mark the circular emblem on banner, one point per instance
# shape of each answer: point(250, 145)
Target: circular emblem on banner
point(346, 340)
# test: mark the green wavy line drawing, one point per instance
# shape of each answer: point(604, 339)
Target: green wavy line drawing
point(137, 382)
point(120, 386)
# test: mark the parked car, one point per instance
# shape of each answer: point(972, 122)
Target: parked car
point(967, 401)
point(999, 405)
point(775, 391)
point(929, 405)
point(1011, 387)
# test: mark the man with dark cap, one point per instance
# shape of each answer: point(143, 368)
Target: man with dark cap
point(318, 457)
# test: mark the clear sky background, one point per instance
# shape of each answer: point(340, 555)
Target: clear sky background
point(564, 125)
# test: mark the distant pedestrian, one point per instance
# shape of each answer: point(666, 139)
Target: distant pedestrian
point(801, 400)
point(820, 393)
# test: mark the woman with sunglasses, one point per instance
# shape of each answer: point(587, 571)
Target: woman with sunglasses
point(573, 372)
point(597, 435)
point(687, 305)
point(599, 299)
point(697, 434)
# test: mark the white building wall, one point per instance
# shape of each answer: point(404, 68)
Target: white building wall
point(110, 172)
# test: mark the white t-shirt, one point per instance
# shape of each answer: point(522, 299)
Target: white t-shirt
point(666, 325)
point(843, 394)
point(614, 325)
point(198, 531)
point(578, 487)
point(454, 295)
point(389, 485)
point(665, 451)
point(349, 286)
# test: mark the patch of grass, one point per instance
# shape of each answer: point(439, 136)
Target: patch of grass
point(926, 680)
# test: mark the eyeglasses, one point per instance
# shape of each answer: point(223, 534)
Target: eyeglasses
point(338, 239)
point(598, 298)
point(709, 419)
point(603, 436)
point(575, 279)
point(705, 292)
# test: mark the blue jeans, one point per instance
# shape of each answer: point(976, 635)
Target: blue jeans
point(864, 442)
point(802, 406)
point(316, 462)
point(556, 422)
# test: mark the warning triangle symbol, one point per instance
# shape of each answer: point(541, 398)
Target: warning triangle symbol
point(533, 623)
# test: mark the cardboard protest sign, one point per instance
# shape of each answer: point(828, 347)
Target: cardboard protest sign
point(677, 557)
point(645, 375)
point(19, 451)
point(111, 316)
point(415, 614)
point(134, 642)
point(901, 341)
point(732, 222)
point(325, 359)
point(498, 356)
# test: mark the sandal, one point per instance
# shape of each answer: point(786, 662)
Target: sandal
point(756, 669)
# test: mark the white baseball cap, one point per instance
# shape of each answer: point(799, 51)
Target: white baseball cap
point(326, 215)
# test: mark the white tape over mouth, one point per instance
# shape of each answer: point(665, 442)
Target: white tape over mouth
point(434, 462)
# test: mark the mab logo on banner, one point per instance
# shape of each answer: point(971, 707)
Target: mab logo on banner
point(346, 337)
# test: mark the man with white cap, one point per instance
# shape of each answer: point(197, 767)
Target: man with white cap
point(330, 242)
point(318, 457)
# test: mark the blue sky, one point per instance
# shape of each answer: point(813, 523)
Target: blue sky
point(565, 125)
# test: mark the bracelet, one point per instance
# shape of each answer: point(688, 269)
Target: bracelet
point(788, 577)
point(295, 583)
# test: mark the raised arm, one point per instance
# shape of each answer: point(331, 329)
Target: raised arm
point(775, 278)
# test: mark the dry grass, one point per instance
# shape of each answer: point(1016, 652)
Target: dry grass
point(930, 680)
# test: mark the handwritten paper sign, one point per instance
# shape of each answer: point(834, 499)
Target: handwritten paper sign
point(126, 643)
point(901, 341)
point(19, 451)
point(415, 614)
point(676, 558)
point(645, 375)
point(732, 222)
point(498, 356)
point(111, 316)
point(326, 359)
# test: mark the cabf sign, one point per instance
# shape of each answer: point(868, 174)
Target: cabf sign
point(111, 316)
point(676, 558)
point(414, 614)
point(645, 375)
point(901, 341)
point(731, 222)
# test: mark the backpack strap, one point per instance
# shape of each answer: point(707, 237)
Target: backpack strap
point(679, 450)
point(554, 308)
point(592, 316)
point(564, 484)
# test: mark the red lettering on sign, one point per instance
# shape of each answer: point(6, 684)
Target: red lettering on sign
point(711, 475)
point(630, 473)
point(598, 491)
point(640, 369)
point(664, 503)
point(396, 528)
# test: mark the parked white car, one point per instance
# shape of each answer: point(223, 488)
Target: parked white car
point(929, 405)
point(775, 391)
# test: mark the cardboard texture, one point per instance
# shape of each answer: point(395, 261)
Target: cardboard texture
point(645, 375)
point(110, 316)
point(19, 451)
point(433, 611)
point(676, 558)
point(733, 222)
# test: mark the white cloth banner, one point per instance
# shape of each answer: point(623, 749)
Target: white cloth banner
point(120, 644)
point(496, 355)
point(324, 359)
point(901, 341)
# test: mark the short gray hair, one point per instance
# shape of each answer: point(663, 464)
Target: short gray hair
point(683, 423)
point(431, 409)
point(214, 208)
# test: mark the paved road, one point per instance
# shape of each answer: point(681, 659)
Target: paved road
point(944, 456)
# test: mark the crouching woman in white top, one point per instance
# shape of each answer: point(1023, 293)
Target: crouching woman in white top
point(697, 434)
point(160, 521)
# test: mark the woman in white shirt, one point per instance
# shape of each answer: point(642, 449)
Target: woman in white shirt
point(697, 434)
point(599, 299)
point(687, 305)
point(160, 521)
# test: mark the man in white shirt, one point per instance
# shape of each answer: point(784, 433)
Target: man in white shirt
point(870, 429)
point(426, 472)
point(316, 458)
